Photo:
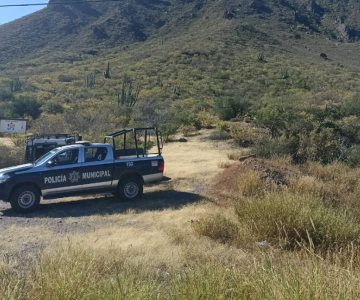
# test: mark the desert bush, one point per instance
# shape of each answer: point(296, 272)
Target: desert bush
point(351, 107)
point(217, 227)
point(167, 130)
point(11, 156)
point(187, 130)
point(6, 95)
point(292, 221)
point(349, 128)
point(24, 106)
point(47, 124)
point(353, 156)
point(219, 135)
point(52, 107)
point(277, 147)
point(229, 108)
point(251, 184)
point(323, 145)
point(66, 78)
point(246, 136)
point(223, 126)
point(18, 140)
point(206, 119)
point(275, 118)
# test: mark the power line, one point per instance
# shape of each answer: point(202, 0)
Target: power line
point(55, 3)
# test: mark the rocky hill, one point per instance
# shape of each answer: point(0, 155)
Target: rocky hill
point(90, 27)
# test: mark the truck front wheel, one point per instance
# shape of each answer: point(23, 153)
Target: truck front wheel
point(130, 188)
point(25, 198)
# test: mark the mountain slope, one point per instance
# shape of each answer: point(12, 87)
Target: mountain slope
point(89, 27)
point(85, 26)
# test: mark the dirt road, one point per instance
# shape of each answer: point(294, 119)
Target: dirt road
point(105, 223)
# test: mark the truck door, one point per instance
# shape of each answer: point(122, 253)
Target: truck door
point(97, 168)
point(61, 175)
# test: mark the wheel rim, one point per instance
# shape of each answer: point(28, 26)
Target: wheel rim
point(26, 199)
point(131, 190)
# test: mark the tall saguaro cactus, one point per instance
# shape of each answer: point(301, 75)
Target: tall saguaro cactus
point(128, 95)
point(90, 81)
point(15, 85)
point(107, 74)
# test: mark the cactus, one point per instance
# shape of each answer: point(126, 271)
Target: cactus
point(128, 97)
point(285, 74)
point(107, 72)
point(90, 81)
point(176, 91)
point(261, 57)
point(15, 85)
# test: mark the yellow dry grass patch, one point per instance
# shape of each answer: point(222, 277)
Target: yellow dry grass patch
point(197, 160)
point(157, 239)
point(19, 237)
point(7, 142)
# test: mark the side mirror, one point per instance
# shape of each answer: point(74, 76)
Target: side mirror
point(50, 164)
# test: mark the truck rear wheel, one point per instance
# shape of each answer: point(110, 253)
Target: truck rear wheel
point(130, 188)
point(25, 198)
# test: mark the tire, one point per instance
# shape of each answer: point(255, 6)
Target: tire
point(130, 189)
point(25, 198)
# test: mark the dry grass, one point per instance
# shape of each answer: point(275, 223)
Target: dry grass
point(200, 250)
point(251, 184)
point(7, 142)
point(236, 155)
point(224, 164)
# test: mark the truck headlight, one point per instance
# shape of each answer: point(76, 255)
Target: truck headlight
point(4, 177)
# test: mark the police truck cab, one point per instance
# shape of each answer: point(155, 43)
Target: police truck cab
point(127, 160)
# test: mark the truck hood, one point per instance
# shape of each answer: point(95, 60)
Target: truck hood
point(16, 169)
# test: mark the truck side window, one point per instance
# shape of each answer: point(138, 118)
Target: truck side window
point(95, 154)
point(67, 157)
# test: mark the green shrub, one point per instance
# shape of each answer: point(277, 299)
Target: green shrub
point(292, 221)
point(230, 108)
point(219, 135)
point(276, 147)
point(6, 96)
point(24, 106)
point(66, 78)
point(52, 107)
point(217, 227)
point(353, 156)
point(167, 130)
point(352, 107)
point(323, 145)
point(246, 136)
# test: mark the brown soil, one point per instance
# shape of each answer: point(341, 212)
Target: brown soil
point(226, 184)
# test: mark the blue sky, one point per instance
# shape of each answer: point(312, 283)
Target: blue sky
point(8, 14)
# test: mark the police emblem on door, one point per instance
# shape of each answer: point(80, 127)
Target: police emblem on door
point(74, 177)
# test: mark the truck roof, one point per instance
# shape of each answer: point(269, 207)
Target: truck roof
point(82, 145)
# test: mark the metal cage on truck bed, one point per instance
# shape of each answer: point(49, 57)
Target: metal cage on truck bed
point(135, 142)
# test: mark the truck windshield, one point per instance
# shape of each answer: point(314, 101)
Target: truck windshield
point(45, 157)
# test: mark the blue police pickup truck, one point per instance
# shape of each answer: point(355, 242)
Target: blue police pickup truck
point(127, 160)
